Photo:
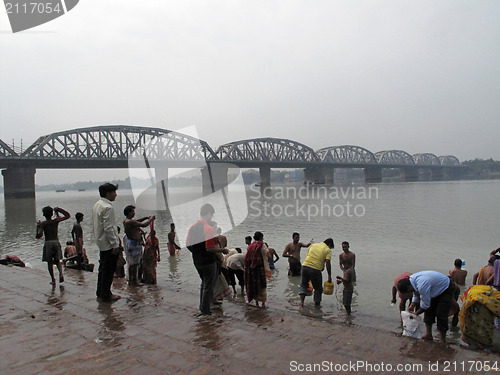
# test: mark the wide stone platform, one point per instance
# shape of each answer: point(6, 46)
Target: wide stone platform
point(155, 330)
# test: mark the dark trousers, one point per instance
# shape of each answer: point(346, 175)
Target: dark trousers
point(316, 279)
point(440, 307)
point(240, 274)
point(208, 276)
point(107, 267)
point(295, 268)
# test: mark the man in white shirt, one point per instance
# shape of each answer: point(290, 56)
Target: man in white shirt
point(106, 237)
point(434, 291)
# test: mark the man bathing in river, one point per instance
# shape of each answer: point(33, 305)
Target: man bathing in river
point(457, 274)
point(52, 253)
point(172, 245)
point(133, 249)
point(77, 235)
point(292, 252)
point(347, 257)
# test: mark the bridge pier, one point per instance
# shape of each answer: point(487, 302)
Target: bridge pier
point(436, 174)
point(409, 174)
point(373, 174)
point(310, 175)
point(451, 173)
point(214, 177)
point(328, 174)
point(19, 182)
point(319, 175)
point(265, 176)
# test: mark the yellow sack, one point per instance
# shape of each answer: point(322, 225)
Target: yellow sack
point(310, 289)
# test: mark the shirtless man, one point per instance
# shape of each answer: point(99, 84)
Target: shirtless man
point(347, 257)
point(484, 274)
point(134, 241)
point(77, 235)
point(292, 252)
point(272, 256)
point(457, 274)
point(70, 253)
point(172, 245)
point(52, 253)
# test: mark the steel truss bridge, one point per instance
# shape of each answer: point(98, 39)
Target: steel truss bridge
point(114, 147)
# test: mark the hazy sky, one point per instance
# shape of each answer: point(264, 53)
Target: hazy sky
point(419, 76)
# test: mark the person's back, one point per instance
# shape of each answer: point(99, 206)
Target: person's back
point(70, 251)
point(317, 255)
point(50, 230)
point(457, 274)
point(236, 261)
point(487, 273)
point(196, 244)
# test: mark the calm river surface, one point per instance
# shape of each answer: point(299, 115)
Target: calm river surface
point(392, 227)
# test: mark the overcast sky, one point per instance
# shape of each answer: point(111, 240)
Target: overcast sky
point(419, 76)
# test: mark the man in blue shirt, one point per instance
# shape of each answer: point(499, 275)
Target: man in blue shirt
point(434, 291)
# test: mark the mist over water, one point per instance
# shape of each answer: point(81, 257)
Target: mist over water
point(405, 227)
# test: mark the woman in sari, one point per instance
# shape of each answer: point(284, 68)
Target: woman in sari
point(151, 256)
point(257, 270)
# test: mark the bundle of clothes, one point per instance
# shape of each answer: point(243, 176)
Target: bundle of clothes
point(481, 306)
point(12, 260)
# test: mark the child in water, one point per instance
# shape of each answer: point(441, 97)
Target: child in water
point(347, 280)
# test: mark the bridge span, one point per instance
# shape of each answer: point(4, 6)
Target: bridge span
point(116, 146)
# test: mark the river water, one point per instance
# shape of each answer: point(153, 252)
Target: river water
point(391, 227)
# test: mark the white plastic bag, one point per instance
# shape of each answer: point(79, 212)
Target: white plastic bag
point(413, 325)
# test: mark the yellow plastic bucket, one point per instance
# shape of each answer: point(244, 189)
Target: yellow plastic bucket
point(328, 287)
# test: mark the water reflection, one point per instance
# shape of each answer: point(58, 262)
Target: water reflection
point(110, 326)
point(258, 316)
point(207, 332)
point(56, 299)
point(312, 311)
point(292, 289)
point(77, 276)
point(20, 211)
point(137, 295)
point(20, 223)
point(173, 276)
point(427, 351)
